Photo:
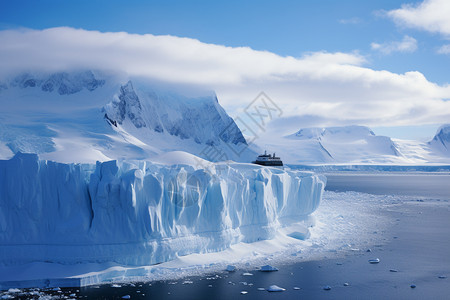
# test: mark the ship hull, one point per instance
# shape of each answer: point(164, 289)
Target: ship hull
point(268, 163)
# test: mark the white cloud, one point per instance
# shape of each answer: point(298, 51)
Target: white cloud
point(407, 44)
point(331, 88)
point(430, 15)
point(445, 49)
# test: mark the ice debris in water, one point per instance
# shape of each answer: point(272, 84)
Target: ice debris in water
point(275, 288)
point(393, 270)
point(296, 288)
point(413, 286)
point(442, 277)
point(268, 268)
point(327, 288)
point(126, 297)
point(231, 268)
point(261, 289)
point(346, 284)
point(244, 292)
point(247, 274)
point(374, 261)
point(116, 285)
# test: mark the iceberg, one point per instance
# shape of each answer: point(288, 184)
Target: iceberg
point(138, 213)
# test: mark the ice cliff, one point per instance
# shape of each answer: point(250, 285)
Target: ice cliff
point(142, 213)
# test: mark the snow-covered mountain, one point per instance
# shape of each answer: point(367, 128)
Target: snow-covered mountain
point(441, 140)
point(357, 145)
point(88, 116)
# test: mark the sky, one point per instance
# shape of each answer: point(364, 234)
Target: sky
point(382, 64)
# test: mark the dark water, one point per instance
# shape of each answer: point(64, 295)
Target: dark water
point(423, 185)
point(418, 249)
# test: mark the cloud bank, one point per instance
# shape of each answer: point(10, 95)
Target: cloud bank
point(407, 44)
point(430, 15)
point(322, 88)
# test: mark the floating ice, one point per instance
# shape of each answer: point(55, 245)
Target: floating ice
point(126, 297)
point(374, 261)
point(413, 286)
point(393, 270)
point(275, 288)
point(244, 292)
point(230, 268)
point(268, 268)
point(327, 288)
point(247, 274)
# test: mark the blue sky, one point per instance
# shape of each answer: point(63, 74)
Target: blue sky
point(286, 28)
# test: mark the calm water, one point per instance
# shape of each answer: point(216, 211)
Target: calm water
point(373, 281)
point(423, 185)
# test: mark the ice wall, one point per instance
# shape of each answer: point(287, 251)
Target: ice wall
point(142, 213)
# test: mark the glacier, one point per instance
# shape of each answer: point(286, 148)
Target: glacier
point(137, 213)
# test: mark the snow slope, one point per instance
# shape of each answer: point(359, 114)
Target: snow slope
point(356, 145)
point(142, 213)
point(87, 116)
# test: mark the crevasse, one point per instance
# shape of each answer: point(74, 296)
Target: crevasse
point(141, 213)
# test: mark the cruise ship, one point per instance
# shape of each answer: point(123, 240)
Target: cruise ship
point(268, 160)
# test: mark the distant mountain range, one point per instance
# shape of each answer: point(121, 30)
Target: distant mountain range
point(87, 116)
point(358, 145)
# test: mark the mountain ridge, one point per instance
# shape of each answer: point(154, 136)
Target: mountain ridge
point(87, 116)
point(356, 144)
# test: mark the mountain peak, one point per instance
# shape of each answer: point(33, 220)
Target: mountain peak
point(442, 138)
point(352, 131)
point(63, 82)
